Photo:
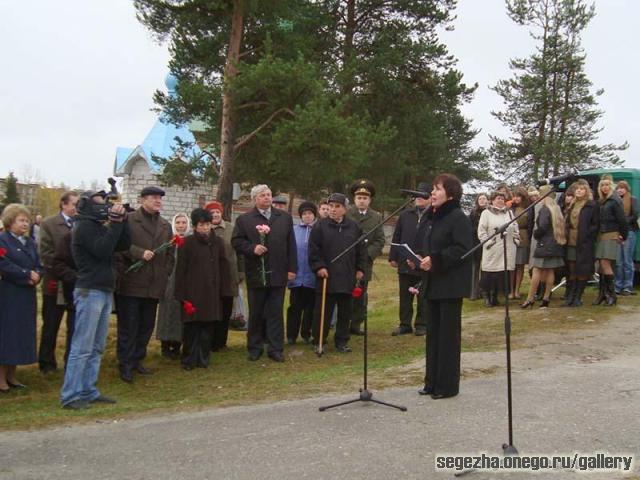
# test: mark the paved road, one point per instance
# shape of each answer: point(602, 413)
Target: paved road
point(570, 403)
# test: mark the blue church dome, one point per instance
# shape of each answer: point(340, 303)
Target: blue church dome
point(171, 82)
point(160, 141)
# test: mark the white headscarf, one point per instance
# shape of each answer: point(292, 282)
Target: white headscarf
point(173, 223)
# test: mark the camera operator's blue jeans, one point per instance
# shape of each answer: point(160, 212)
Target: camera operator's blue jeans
point(93, 309)
point(624, 264)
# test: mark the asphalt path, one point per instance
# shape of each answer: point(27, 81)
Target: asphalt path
point(572, 402)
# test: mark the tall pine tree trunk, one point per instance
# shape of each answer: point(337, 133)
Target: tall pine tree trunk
point(228, 127)
point(347, 53)
point(538, 145)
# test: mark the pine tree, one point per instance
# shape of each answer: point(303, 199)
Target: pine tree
point(549, 104)
point(11, 190)
point(316, 92)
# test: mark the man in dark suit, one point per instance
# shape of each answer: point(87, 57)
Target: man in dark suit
point(367, 218)
point(52, 231)
point(138, 291)
point(409, 224)
point(270, 261)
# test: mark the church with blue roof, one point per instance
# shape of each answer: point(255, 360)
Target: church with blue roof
point(138, 169)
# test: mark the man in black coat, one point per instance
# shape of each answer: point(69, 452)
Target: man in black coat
point(330, 237)
point(94, 243)
point(270, 261)
point(409, 223)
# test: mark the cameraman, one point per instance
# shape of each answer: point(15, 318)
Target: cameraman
point(100, 230)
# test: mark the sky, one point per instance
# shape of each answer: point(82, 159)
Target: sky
point(77, 79)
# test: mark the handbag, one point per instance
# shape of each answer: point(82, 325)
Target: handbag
point(543, 250)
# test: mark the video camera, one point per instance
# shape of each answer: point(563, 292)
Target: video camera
point(102, 211)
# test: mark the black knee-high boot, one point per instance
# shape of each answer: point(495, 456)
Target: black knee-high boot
point(610, 290)
point(569, 292)
point(601, 295)
point(577, 293)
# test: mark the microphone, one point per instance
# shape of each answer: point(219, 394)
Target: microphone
point(559, 179)
point(416, 193)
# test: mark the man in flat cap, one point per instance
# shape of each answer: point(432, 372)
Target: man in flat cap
point(329, 237)
point(138, 292)
point(280, 202)
point(367, 218)
point(264, 237)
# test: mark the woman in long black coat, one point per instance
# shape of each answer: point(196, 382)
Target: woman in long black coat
point(446, 280)
point(582, 218)
point(202, 279)
point(20, 272)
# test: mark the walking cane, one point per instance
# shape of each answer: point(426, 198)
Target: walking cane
point(324, 298)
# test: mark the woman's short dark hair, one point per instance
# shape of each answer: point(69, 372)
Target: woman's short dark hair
point(200, 215)
point(496, 194)
point(451, 185)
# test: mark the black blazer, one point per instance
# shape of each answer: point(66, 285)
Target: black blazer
point(448, 237)
point(612, 217)
point(281, 257)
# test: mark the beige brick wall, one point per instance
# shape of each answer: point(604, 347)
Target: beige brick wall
point(176, 199)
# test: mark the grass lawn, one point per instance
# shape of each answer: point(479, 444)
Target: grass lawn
point(232, 380)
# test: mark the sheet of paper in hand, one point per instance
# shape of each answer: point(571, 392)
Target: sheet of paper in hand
point(407, 252)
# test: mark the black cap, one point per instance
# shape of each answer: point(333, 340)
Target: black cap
point(308, 207)
point(424, 187)
point(152, 191)
point(338, 198)
point(280, 199)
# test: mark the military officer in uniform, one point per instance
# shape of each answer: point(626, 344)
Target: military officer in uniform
point(367, 218)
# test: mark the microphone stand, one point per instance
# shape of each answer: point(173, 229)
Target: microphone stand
point(507, 448)
point(366, 395)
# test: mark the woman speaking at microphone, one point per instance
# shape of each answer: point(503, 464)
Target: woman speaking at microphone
point(446, 280)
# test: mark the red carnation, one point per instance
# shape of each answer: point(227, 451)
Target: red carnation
point(357, 292)
point(3, 252)
point(188, 308)
point(52, 287)
point(178, 241)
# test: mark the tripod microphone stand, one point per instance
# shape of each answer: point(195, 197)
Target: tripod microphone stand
point(365, 394)
point(507, 448)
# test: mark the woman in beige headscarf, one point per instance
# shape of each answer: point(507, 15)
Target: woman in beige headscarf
point(169, 330)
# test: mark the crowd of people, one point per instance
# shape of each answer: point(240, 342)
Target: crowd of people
point(569, 238)
point(182, 278)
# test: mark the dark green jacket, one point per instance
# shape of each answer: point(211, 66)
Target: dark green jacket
point(375, 241)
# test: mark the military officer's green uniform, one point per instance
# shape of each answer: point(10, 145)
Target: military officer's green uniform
point(374, 243)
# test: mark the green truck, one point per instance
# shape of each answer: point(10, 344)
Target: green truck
point(630, 175)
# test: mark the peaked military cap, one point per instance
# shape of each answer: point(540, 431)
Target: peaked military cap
point(363, 187)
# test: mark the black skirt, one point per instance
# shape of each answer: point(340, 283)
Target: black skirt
point(492, 281)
